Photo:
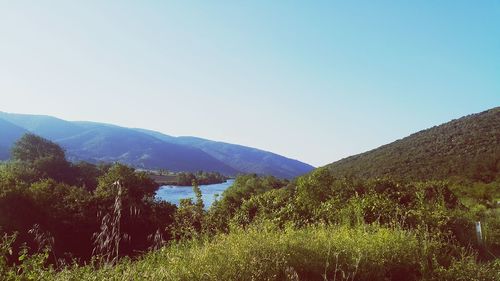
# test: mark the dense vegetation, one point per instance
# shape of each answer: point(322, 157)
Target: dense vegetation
point(468, 147)
point(43, 196)
point(263, 252)
point(187, 178)
point(63, 221)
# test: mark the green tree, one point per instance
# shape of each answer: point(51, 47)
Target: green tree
point(45, 157)
point(87, 175)
point(32, 147)
point(137, 185)
point(197, 192)
point(189, 218)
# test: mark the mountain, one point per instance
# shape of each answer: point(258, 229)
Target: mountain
point(468, 147)
point(109, 144)
point(242, 158)
point(44, 126)
point(99, 142)
point(9, 134)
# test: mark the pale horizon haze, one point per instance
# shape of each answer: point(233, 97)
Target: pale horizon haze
point(315, 81)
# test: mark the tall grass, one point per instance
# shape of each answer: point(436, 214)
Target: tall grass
point(107, 240)
point(313, 253)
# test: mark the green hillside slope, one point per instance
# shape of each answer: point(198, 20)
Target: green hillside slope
point(468, 147)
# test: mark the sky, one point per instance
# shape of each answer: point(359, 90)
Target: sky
point(311, 80)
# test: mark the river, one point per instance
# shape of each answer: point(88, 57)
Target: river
point(174, 193)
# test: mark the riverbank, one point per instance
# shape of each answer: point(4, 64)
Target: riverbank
point(186, 178)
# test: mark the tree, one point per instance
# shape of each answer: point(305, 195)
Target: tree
point(31, 147)
point(137, 185)
point(45, 157)
point(87, 175)
point(197, 192)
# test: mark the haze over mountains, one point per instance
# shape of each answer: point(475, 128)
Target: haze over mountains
point(468, 147)
point(99, 142)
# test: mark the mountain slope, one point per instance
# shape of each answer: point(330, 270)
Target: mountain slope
point(96, 142)
point(9, 133)
point(468, 147)
point(45, 126)
point(245, 159)
point(111, 144)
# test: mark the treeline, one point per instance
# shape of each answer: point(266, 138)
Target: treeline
point(201, 178)
point(317, 227)
point(187, 178)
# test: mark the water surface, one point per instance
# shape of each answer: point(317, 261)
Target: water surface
point(174, 193)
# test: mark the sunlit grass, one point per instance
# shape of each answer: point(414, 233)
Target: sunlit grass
point(313, 253)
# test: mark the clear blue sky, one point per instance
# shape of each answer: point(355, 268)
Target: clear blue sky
point(311, 80)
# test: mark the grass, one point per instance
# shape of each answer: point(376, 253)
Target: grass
point(313, 253)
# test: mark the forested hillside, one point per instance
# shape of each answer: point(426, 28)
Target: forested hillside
point(243, 158)
point(468, 147)
point(99, 142)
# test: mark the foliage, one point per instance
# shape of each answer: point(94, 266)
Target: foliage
point(107, 241)
point(203, 178)
point(467, 148)
point(72, 214)
point(263, 252)
point(189, 218)
point(32, 147)
point(43, 156)
point(89, 223)
point(243, 188)
point(136, 185)
point(164, 177)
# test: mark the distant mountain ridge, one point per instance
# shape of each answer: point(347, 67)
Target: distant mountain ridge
point(100, 142)
point(247, 159)
point(468, 147)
